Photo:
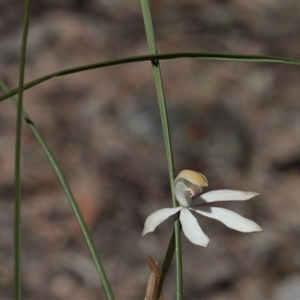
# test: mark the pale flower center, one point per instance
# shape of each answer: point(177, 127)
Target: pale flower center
point(195, 190)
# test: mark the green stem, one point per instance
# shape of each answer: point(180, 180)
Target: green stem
point(165, 56)
point(70, 196)
point(169, 152)
point(17, 217)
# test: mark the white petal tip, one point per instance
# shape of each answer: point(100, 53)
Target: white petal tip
point(247, 195)
point(205, 245)
point(254, 228)
point(259, 229)
point(146, 231)
point(201, 244)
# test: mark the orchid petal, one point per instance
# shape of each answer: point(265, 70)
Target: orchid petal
point(191, 228)
point(158, 217)
point(224, 195)
point(182, 194)
point(229, 218)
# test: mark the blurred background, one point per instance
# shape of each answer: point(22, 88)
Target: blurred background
point(237, 123)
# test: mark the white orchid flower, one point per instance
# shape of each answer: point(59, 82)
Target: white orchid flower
point(188, 188)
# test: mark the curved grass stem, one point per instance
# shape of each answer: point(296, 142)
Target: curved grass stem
point(70, 196)
point(165, 56)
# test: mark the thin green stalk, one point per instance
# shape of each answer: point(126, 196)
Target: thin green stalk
point(165, 56)
point(70, 196)
point(168, 144)
point(17, 217)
